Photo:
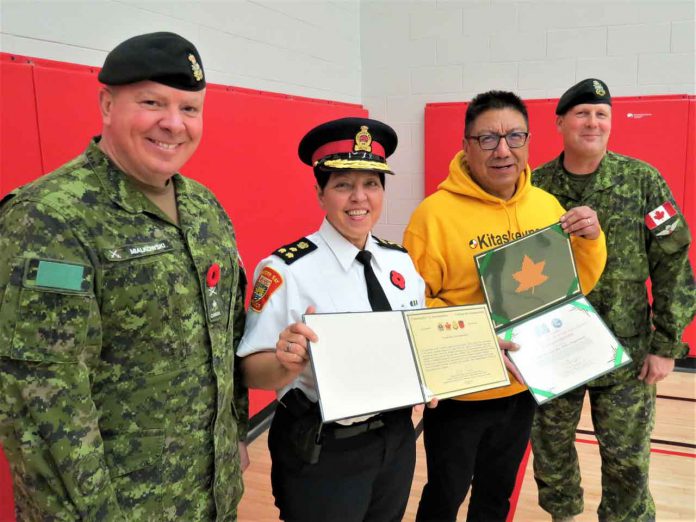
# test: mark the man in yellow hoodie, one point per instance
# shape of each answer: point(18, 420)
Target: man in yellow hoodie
point(479, 439)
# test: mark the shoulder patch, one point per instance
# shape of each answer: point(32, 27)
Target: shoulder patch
point(294, 251)
point(660, 215)
point(389, 244)
point(267, 283)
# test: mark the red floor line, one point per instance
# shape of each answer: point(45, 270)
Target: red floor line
point(518, 484)
point(652, 450)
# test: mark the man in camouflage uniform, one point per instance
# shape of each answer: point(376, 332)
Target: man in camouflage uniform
point(122, 305)
point(646, 237)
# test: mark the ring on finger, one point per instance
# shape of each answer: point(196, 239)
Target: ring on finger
point(589, 221)
point(288, 346)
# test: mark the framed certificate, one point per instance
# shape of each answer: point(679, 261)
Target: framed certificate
point(367, 362)
point(533, 293)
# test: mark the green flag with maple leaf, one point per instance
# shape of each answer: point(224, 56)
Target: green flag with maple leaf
point(528, 275)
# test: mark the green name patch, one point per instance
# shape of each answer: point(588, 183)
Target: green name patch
point(124, 253)
point(57, 274)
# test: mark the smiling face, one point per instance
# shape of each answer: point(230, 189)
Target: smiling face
point(150, 130)
point(352, 201)
point(497, 171)
point(585, 129)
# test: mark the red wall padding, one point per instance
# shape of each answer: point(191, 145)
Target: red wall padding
point(689, 207)
point(248, 157)
point(658, 129)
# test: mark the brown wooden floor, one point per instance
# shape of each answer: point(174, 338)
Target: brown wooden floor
point(672, 472)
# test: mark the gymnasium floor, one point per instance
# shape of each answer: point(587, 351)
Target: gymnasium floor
point(672, 472)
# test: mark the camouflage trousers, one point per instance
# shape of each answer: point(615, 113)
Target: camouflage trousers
point(623, 416)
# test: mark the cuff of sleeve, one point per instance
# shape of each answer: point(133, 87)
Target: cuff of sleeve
point(669, 349)
point(434, 302)
point(104, 507)
point(242, 430)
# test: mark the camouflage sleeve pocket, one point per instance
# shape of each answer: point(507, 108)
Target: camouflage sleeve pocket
point(46, 311)
point(133, 451)
point(673, 235)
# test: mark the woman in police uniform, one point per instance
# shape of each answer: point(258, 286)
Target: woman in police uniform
point(359, 469)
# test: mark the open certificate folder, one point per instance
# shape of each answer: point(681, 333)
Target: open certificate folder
point(532, 289)
point(367, 362)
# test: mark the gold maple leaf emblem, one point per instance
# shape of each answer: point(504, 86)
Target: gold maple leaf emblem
point(530, 276)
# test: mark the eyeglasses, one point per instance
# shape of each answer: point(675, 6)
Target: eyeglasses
point(514, 140)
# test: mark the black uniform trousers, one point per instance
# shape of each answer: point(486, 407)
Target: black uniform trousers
point(478, 444)
point(366, 477)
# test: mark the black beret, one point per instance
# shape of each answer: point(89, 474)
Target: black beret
point(159, 57)
point(590, 90)
point(349, 144)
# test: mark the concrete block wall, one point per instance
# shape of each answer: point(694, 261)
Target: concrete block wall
point(301, 47)
point(393, 56)
point(449, 50)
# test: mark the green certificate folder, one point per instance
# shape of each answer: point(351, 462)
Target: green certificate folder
point(533, 293)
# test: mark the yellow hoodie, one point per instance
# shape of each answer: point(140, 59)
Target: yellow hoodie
point(461, 220)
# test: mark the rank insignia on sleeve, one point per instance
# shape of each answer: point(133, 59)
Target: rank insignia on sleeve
point(389, 244)
point(294, 251)
point(659, 215)
point(669, 228)
point(267, 283)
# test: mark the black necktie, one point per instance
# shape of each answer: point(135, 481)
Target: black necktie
point(375, 293)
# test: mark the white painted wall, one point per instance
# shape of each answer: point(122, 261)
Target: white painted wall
point(414, 52)
point(307, 48)
point(394, 56)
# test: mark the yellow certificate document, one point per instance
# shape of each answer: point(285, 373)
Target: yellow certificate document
point(368, 362)
point(456, 350)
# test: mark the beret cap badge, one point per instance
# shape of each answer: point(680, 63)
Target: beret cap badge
point(195, 68)
point(363, 140)
point(599, 88)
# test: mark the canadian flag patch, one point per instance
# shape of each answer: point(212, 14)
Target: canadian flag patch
point(656, 217)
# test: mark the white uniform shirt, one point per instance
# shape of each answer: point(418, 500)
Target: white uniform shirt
point(330, 279)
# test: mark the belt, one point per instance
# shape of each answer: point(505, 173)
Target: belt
point(298, 405)
point(340, 431)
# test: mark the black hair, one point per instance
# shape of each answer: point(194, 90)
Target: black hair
point(492, 100)
point(322, 176)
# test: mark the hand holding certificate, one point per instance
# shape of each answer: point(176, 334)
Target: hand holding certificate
point(368, 362)
point(532, 290)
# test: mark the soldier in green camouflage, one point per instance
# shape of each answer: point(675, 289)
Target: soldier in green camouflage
point(122, 300)
point(646, 237)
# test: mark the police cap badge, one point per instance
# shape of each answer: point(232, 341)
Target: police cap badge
point(349, 144)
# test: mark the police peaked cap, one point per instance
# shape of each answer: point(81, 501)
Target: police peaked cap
point(349, 144)
point(590, 90)
point(165, 58)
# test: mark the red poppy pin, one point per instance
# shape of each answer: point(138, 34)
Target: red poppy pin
point(213, 275)
point(397, 280)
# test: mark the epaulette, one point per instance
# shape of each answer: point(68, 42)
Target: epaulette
point(6, 199)
point(294, 251)
point(389, 244)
